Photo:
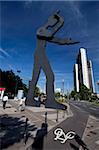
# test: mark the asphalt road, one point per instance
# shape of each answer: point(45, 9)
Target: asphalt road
point(77, 123)
point(86, 106)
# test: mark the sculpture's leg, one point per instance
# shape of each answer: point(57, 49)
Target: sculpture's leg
point(49, 80)
point(36, 72)
point(50, 102)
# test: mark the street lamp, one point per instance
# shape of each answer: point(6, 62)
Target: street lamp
point(63, 87)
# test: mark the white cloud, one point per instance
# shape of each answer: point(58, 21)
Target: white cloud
point(76, 10)
point(4, 53)
point(78, 17)
point(58, 90)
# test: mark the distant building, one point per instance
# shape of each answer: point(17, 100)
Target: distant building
point(91, 77)
point(76, 79)
point(83, 72)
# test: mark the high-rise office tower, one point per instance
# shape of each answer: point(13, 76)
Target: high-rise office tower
point(83, 72)
point(76, 79)
point(91, 77)
point(84, 66)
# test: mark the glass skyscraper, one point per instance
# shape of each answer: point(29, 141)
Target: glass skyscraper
point(83, 72)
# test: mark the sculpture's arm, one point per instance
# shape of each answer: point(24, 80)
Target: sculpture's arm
point(65, 41)
point(54, 23)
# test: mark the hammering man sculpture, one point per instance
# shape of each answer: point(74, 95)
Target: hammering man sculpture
point(46, 34)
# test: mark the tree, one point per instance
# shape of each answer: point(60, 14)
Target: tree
point(57, 94)
point(37, 92)
point(85, 93)
point(11, 82)
point(66, 96)
point(73, 93)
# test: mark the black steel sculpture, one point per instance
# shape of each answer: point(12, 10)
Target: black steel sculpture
point(46, 34)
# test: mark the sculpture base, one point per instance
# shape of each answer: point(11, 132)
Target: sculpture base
point(48, 104)
point(33, 103)
point(54, 104)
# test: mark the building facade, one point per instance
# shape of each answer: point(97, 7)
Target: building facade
point(76, 79)
point(83, 72)
point(91, 76)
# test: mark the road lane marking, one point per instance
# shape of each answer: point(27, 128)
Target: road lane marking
point(78, 108)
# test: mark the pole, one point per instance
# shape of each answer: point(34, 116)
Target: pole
point(57, 116)
point(46, 117)
point(63, 87)
point(63, 113)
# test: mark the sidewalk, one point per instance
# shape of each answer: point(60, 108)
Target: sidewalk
point(9, 109)
point(91, 133)
point(13, 122)
point(54, 117)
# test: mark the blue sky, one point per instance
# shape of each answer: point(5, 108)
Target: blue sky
point(19, 22)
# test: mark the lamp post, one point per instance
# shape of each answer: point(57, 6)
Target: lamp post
point(63, 87)
point(57, 116)
point(46, 117)
point(67, 95)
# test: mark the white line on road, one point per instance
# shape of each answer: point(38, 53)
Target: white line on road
point(78, 108)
